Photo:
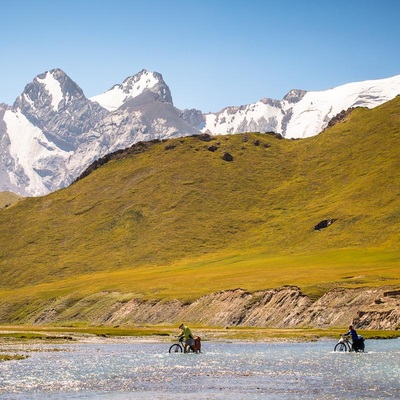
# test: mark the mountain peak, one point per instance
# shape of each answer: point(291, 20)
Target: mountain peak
point(301, 113)
point(295, 95)
point(56, 105)
point(48, 89)
point(53, 132)
point(132, 87)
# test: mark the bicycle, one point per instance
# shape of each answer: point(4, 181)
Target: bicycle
point(344, 344)
point(180, 347)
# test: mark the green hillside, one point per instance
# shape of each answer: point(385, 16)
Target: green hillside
point(7, 199)
point(178, 221)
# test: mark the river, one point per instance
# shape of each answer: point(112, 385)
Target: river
point(236, 370)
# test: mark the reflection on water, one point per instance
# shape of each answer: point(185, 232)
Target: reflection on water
point(224, 370)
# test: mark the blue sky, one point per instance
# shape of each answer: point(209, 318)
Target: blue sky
point(211, 53)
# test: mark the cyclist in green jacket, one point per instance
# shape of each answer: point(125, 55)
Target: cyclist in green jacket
point(189, 339)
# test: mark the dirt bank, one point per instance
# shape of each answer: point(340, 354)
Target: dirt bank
point(286, 307)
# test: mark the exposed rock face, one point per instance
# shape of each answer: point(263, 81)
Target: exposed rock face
point(295, 95)
point(145, 118)
point(56, 105)
point(132, 87)
point(194, 118)
point(340, 117)
point(301, 114)
point(53, 132)
point(324, 224)
point(240, 308)
point(227, 157)
point(285, 307)
point(384, 313)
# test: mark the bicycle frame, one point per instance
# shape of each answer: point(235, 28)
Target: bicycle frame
point(344, 344)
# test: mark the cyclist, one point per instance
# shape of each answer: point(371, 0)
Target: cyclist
point(354, 337)
point(189, 339)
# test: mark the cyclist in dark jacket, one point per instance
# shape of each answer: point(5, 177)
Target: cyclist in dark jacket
point(354, 337)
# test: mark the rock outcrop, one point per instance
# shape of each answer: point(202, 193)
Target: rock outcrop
point(285, 307)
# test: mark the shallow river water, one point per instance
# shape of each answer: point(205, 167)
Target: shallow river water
point(238, 370)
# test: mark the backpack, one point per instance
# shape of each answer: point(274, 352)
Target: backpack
point(197, 344)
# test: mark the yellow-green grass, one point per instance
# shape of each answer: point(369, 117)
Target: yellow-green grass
point(35, 332)
point(315, 273)
point(181, 222)
point(8, 198)
point(168, 333)
point(9, 357)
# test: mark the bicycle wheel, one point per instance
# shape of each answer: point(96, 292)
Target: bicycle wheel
point(175, 348)
point(348, 345)
point(341, 347)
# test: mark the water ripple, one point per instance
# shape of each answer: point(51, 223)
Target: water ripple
point(234, 370)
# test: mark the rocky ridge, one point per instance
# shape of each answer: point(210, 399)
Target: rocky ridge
point(52, 132)
point(285, 307)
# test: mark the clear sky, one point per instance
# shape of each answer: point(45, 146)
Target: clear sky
point(211, 53)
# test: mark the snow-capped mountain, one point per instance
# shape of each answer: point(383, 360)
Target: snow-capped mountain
point(132, 87)
point(39, 133)
point(142, 118)
point(52, 132)
point(301, 114)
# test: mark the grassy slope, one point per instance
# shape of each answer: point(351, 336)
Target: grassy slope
point(7, 199)
point(182, 222)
